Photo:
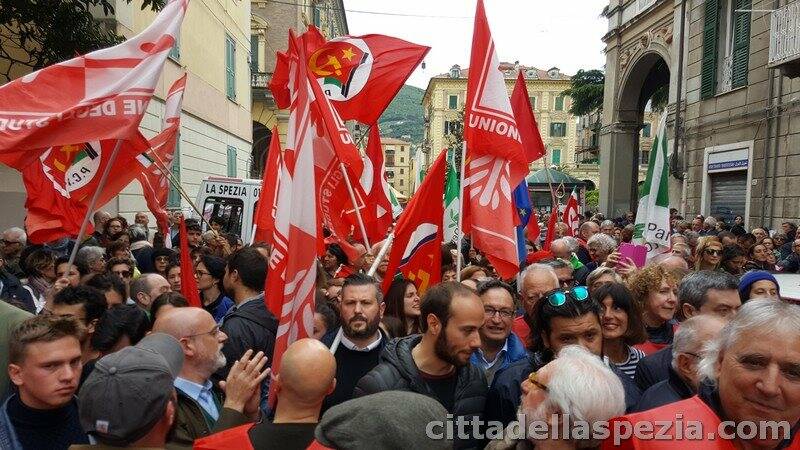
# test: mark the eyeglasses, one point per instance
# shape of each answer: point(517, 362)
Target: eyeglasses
point(504, 313)
point(162, 259)
point(200, 273)
point(7, 242)
point(712, 251)
point(123, 273)
point(214, 331)
point(557, 297)
point(533, 378)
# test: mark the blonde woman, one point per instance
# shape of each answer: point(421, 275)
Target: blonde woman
point(708, 254)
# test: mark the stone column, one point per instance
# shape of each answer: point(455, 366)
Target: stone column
point(619, 168)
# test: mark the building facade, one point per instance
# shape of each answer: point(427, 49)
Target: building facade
point(270, 23)
point(397, 158)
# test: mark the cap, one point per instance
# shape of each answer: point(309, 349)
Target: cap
point(127, 392)
point(749, 278)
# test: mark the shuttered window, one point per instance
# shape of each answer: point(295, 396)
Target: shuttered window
point(728, 194)
point(741, 42)
point(231, 161)
point(708, 72)
point(254, 53)
point(555, 156)
point(452, 101)
point(230, 67)
point(560, 103)
point(174, 198)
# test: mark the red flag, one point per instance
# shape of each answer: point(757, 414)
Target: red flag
point(97, 96)
point(359, 74)
point(188, 282)
point(526, 121)
point(416, 251)
point(270, 183)
point(293, 262)
point(571, 214)
point(551, 228)
point(533, 226)
point(375, 184)
point(496, 159)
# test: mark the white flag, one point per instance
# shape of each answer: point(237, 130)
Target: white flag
point(652, 216)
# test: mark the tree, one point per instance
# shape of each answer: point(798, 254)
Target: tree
point(37, 34)
point(592, 198)
point(659, 99)
point(586, 91)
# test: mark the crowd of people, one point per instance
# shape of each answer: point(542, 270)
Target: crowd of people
point(106, 352)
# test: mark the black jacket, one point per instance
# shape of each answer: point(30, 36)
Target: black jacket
point(13, 292)
point(248, 326)
point(503, 399)
point(398, 372)
point(144, 259)
point(653, 368)
point(671, 390)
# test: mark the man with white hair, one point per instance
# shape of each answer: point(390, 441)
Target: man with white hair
point(687, 347)
point(749, 374)
point(709, 227)
point(576, 386)
point(586, 231)
point(600, 246)
point(537, 279)
point(607, 227)
point(13, 240)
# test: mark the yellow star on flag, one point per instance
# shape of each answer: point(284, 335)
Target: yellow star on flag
point(348, 54)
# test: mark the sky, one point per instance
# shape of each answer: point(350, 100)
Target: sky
point(541, 33)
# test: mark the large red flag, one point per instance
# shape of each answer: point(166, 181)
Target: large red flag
point(359, 74)
point(416, 251)
point(289, 292)
point(270, 183)
point(551, 228)
point(188, 282)
point(97, 96)
point(376, 186)
point(526, 121)
point(533, 226)
point(495, 156)
point(571, 214)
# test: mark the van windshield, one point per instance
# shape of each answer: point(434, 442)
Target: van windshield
point(228, 211)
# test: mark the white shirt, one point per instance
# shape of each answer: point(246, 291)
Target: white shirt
point(352, 346)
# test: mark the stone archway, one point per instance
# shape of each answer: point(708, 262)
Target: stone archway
point(619, 140)
point(261, 140)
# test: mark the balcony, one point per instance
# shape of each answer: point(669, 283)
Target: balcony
point(260, 79)
point(784, 40)
point(259, 86)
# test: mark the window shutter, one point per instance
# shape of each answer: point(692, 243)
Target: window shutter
point(231, 161)
point(254, 53)
point(708, 73)
point(230, 67)
point(174, 198)
point(741, 43)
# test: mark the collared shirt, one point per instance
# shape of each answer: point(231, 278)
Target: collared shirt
point(200, 393)
point(486, 365)
point(352, 346)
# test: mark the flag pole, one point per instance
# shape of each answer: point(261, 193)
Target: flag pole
point(381, 253)
point(161, 165)
point(355, 205)
point(459, 255)
point(93, 203)
point(253, 233)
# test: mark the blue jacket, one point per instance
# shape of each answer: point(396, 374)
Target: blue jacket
point(514, 352)
point(671, 390)
point(219, 307)
point(8, 436)
point(653, 368)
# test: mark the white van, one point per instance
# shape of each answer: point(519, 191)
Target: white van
point(231, 200)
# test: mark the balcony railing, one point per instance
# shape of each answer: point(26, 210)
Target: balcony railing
point(784, 37)
point(260, 79)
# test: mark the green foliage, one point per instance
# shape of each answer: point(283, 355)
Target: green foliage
point(36, 34)
point(586, 92)
point(592, 199)
point(403, 116)
point(659, 99)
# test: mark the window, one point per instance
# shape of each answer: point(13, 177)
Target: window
point(401, 182)
point(726, 46)
point(560, 103)
point(254, 53)
point(451, 126)
point(389, 157)
point(317, 16)
point(231, 161)
point(402, 160)
point(533, 102)
point(452, 102)
point(646, 130)
point(558, 129)
point(175, 51)
point(230, 67)
point(401, 171)
point(174, 197)
point(644, 157)
point(555, 156)
point(229, 211)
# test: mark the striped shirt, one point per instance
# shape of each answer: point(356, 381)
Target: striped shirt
point(629, 366)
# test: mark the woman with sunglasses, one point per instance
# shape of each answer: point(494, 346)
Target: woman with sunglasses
point(708, 254)
point(655, 289)
point(759, 258)
point(622, 326)
point(209, 273)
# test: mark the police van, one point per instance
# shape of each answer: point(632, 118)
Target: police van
point(231, 201)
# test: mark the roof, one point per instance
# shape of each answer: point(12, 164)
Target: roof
point(393, 141)
point(510, 71)
point(541, 177)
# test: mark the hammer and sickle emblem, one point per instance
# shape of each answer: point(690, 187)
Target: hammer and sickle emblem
point(330, 67)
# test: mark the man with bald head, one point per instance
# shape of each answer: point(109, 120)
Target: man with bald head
point(307, 376)
point(203, 408)
point(586, 231)
point(536, 281)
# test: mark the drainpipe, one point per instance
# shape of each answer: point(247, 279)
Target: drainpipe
point(767, 145)
point(776, 145)
point(679, 94)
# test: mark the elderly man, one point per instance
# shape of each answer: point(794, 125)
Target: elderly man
point(607, 227)
point(141, 249)
point(574, 386)
point(672, 261)
point(748, 375)
point(586, 231)
point(709, 227)
point(201, 407)
point(99, 219)
point(760, 234)
point(146, 288)
point(791, 263)
point(14, 240)
point(536, 281)
point(499, 346)
point(687, 347)
point(600, 246)
point(91, 259)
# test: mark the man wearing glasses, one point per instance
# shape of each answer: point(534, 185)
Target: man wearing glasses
point(14, 240)
point(499, 346)
point(123, 268)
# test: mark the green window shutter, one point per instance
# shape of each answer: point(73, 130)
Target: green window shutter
point(708, 72)
point(646, 130)
point(254, 53)
point(453, 102)
point(175, 51)
point(232, 161)
point(174, 198)
point(533, 102)
point(741, 43)
point(317, 16)
point(230, 67)
point(560, 103)
point(555, 156)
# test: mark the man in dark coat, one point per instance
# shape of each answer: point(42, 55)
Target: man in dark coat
point(436, 363)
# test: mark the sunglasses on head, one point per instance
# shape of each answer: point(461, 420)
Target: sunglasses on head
point(557, 297)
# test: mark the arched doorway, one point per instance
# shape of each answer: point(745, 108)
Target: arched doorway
point(261, 140)
point(644, 78)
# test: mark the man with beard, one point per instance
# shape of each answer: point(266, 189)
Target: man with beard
point(361, 339)
point(202, 408)
point(436, 363)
